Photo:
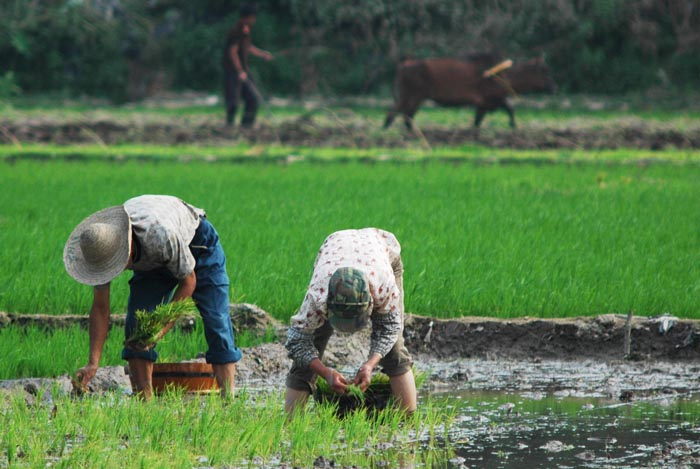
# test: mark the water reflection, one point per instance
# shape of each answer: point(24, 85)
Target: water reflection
point(506, 430)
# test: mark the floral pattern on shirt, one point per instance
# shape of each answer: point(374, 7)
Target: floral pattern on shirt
point(375, 252)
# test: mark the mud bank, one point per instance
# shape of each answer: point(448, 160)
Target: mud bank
point(307, 132)
point(597, 337)
point(568, 357)
point(593, 337)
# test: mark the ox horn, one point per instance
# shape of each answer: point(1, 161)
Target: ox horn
point(497, 68)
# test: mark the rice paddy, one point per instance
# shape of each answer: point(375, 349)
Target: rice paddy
point(63, 351)
point(485, 231)
point(174, 430)
point(494, 240)
point(471, 428)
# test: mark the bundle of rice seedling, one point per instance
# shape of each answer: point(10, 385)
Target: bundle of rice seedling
point(376, 397)
point(151, 326)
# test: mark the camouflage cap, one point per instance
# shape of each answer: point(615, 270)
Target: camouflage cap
point(349, 300)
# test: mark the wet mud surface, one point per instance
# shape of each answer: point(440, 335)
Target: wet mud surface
point(513, 431)
point(525, 392)
point(304, 131)
point(585, 356)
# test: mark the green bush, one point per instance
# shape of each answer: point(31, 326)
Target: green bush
point(123, 50)
point(8, 86)
point(63, 47)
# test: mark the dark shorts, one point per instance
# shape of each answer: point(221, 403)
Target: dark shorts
point(150, 288)
point(395, 363)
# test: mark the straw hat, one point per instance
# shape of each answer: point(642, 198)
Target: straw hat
point(98, 249)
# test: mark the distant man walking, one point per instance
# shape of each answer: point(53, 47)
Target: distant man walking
point(237, 82)
point(174, 253)
point(357, 279)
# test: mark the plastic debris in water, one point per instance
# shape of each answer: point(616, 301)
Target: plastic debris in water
point(666, 322)
point(426, 339)
point(555, 446)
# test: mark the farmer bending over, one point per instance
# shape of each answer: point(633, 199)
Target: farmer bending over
point(357, 278)
point(174, 253)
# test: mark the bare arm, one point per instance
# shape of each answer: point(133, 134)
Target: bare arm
point(185, 287)
point(233, 53)
point(99, 328)
point(263, 54)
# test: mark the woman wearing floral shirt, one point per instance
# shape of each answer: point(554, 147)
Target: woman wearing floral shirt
point(357, 279)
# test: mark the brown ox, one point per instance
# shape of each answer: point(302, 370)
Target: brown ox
point(459, 82)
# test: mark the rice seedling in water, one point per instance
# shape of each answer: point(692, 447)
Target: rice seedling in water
point(151, 326)
point(112, 430)
point(378, 395)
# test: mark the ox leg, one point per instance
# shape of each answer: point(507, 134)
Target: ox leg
point(410, 113)
point(408, 121)
point(391, 115)
point(511, 114)
point(479, 116)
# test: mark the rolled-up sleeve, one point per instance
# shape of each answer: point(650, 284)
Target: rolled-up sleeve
point(182, 262)
point(387, 319)
point(301, 347)
point(385, 332)
point(300, 335)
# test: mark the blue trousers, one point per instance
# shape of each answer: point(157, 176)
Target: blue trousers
point(150, 288)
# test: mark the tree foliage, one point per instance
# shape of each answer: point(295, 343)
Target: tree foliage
point(126, 49)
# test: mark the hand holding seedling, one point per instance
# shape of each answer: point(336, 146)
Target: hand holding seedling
point(83, 376)
point(151, 326)
point(336, 381)
point(363, 377)
point(364, 374)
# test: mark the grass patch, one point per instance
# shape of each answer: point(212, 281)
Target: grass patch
point(247, 153)
point(63, 351)
point(504, 241)
point(173, 431)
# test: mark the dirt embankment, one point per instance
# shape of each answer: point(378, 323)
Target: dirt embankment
point(306, 132)
point(586, 355)
point(595, 337)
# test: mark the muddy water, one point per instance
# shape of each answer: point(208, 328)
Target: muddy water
point(530, 430)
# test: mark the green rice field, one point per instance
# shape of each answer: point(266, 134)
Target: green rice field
point(503, 240)
point(64, 350)
point(246, 153)
point(114, 431)
point(485, 231)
